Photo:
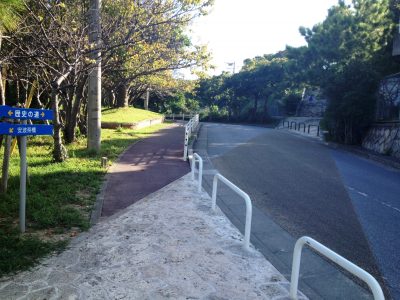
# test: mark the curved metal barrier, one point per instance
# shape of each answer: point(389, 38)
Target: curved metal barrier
point(284, 122)
point(336, 258)
point(304, 126)
point(311, 125)
point(249, 208)
point(321, 249)
point(197, 158)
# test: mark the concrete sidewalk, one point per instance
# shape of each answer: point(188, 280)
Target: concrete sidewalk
point(168, 245)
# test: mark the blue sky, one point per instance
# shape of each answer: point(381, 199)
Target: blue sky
point(240, 29)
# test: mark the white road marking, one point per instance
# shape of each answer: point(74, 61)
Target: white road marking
point(374, 199)
point(362, 194)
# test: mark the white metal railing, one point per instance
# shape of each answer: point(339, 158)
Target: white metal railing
point(180, 116)
point(190, 127)
point(341, 261)
point(249, 208)
point(197, 158)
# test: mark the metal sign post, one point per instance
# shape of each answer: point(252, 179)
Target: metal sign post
point(22, 184)
point(24, 130)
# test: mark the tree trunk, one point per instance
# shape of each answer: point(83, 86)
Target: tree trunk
point(59, 152)
point(255, 107)
point(7, 148)
point(113, 98)
point(18, 90)
point(265, 113)
point(82, 124)
point(122, 95)
point(72, 120)
point(8, 139)
point(6, 164)
point(3, 83)
point(94, 97)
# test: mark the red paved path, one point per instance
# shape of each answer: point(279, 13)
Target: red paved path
point(144, 168)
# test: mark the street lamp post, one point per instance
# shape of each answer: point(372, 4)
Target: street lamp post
point(232, 65)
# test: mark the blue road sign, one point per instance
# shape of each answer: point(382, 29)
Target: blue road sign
point(25, 113)
point(22, 129)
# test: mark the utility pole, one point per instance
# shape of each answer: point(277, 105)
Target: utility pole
point(233, 66)
point(94, 94)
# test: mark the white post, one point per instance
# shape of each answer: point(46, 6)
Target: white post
point(247, 227)
point(22, 184)
point(185, 149)
point(214, 193)
point(294, 280)
point(146, 102)
point(198, 158)
point(200, 174)
point(193, 165)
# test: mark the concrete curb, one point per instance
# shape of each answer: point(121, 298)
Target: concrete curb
point(384, 160)
point(379, 158)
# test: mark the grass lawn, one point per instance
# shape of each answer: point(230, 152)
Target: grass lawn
point(127, 115)
point(60, 196)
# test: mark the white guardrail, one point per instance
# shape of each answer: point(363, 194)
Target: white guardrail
point(197, 158)
point(180, 116)
point(249, 208)
point(341, 261)
point(190, 127)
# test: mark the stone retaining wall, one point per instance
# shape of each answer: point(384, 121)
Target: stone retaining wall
point(384, 138)
point(138, 125)
point(315, 108)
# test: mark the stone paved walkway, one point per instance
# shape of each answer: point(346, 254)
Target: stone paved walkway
point(167, 246)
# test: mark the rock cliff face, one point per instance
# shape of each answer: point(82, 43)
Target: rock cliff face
point(384, 138)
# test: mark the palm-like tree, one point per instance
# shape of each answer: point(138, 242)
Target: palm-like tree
point(9, 16)
point(94, 95)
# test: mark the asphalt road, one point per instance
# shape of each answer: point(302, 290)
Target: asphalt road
point(349, 204)
point(375, 193)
